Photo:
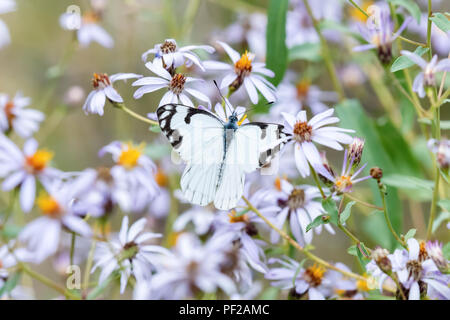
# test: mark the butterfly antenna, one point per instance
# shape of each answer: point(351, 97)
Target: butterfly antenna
point(221, 95)
point(254, 107)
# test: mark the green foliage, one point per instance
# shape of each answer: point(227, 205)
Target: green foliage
point(305, 51)
point(441, 21)
point(403, 62)
point(345, 214)
point(330, 207)
point(411, 233)
point(410, 5)
point(277, 52)
point(10, 284)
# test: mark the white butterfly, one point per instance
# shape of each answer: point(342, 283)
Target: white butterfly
point(218, 153)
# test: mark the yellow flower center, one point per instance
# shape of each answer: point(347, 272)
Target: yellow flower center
point(91, 17)
point(49, 206)
point(302, 89)
point(38, 161)
point(233, 218)
point(302, 131)
point(161, 178)
point(362, 285)
point(343, 183)
point(357, 15)
point(130, 155)
point(177, 83)
point(173, 238)
point(314, 275)
point(244, 65)
point(100, 80)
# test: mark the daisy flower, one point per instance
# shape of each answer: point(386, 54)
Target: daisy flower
point(87, 27)
point(129, 254)
point(42, 235)
point(201, 217)
point(291, 275)
point(380, 35)
point(169, 56)
point(229, 110)
point(22, 169)
point(136, 172)
point(5, 7)
point(427, 77)
point(15, 116)
point(178, 85)
point(306, 132)
point(192, 268)
point(299, 205)
point(244, 71)
point(103, 89)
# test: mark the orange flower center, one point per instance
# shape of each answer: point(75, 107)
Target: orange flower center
point(100, 80)
point(302, 131)
point(343, 183)
point(161, 178)
point(314, 275)
point(9, 111)
point(302, 89)
point(168, 47)
point(177, 83)
point(91, 17)
point(234, 218)
point(49, 206)
point(129, 156)
point(38, 161)
point(243, 66)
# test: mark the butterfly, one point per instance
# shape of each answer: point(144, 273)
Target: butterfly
point(218, 153)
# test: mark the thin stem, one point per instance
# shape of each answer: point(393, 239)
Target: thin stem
point(388, 221)
point(395, 278)
point(87, 270)
point(441, 88)
point(430, 54)
point(369, 205)
point(49, 283)
point(326, 54)
point(72, 247)
point(359, 8)
point(433, 204)
point(442, 98)
point(412, 41)
point(316, 179)
point(134, 114)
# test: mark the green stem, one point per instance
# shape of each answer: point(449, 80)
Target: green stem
point(359, 8)
point(72, 247)
point(133, 114)
point(87, 270)
point(189, 17)
point(326, 54)
point(316, 179)
point(369, 205)
point(388, 220)
point(344, 229)
point(430, 54)
point(433, 204)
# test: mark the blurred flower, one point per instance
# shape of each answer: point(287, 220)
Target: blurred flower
point(136, 172)
point(169, 56)
point(103, 88)
point(177, 85)
point(351, 75)
point(201, 218)
point(15, 116)
point(193, 268)
point(343, 183)
point(74, 95)
point(21, 169)
point(244, 71)
point(5, 7)
point(434, 251)
point(291, 275)
point(129, 254)
point(439, 39)
point(427, 77)
point(441, 149)
point(88, 29)
point(43, 234)
point(418, 273)
point(300, 205)
point(379, 34)
point(306, 132)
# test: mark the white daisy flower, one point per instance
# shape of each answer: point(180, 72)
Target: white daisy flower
point(244, 71)
point(169, 56)
point(129, 254)
point(103, 89)
point(229, 110)
point(178, 86)
point(21, 169)
point(42, 235)
point(192, 268)
point(136, 172)
point(5, 7)
point(305, 133)
point(88, 29)
point(15, 116)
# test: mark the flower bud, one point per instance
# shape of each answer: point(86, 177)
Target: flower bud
point(434, 250)
point(355, 151)
point(380, 256)
point(376, 173)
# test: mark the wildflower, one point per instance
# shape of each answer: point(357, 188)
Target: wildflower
point(379, 35)
point(348, 288)
point(192, 268)
point(381, 258)
point(291, 275)
point(300, 205)
point(178, 86)
point(136, 172)
point(418, 273)
point(441, 149)
point(103, 89)
point(5, 7)
point(244, 71)
point(229, 110)
point(306, 132)
point(201, 217)
point(355, 150)
point(15, 116)
point(87, 28)
point(21, 169)
point(129, 253)
point(427, 77)
point(43, 234)
point(344, 183)
point(169, 56)
point(434, 251)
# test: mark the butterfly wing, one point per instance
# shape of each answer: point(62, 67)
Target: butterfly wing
point(197, 136)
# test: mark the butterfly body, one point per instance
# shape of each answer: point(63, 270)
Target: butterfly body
point(217, 153)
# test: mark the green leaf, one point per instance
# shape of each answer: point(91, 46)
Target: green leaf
point(443, 216)
point(444, 204)
point(306, 51)
point(441, 21)
point(300, 266)
point(446, 250)
point(411, 6)
point(317, 222)
point(330, 207)
point(363, 260)
point(10, 284)
point(353, 116)
point(277, 53)
point(408, 182)
point(403, 62)
point(345, 214)
point(352, 250)
point(411, 233)
point(444, 125)
point(155, 129)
